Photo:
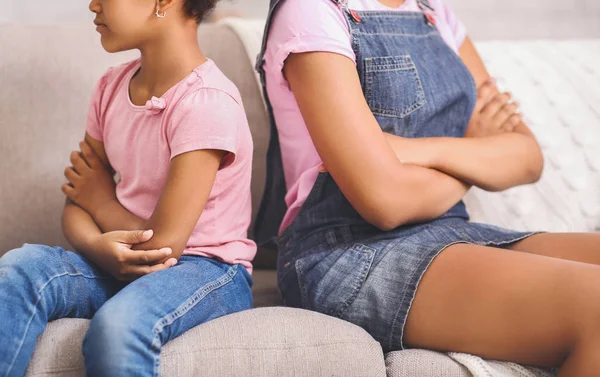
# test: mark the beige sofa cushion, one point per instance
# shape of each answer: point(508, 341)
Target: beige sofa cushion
point(278, 342)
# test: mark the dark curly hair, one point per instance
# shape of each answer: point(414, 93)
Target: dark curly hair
point(198, 9)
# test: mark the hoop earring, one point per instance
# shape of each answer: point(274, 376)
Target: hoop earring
point(158, 15)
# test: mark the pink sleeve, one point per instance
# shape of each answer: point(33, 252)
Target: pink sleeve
point(457, 28)
point(94, 124)
point(206, 119)
point(305, 26)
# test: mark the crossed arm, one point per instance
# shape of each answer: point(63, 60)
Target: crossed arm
point(391, 180)
point(499, 151)
point(92, 209)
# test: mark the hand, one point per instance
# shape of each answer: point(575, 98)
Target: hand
point(494, 112)
point(125, 264)
point(91, 186)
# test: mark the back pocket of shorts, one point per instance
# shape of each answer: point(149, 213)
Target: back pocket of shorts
point(392, 86)
point(329, 282)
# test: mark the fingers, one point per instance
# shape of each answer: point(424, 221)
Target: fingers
point(132, 237)
point(68, 191)
point(322, 169)
point(146, 257)
point(495, 105)
point(71, 175)
point(486, 92)
point(488, 89)
point(78, 162)
point(513, 122)
point(89, 155)
point(500, 112)
point(507, 117)
point(135, 272)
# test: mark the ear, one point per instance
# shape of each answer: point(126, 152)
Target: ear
point(164, 5)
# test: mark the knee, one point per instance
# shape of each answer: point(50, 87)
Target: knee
point(30, 262)
point(116, 343)
point(581, 319)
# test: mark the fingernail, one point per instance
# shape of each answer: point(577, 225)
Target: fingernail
point(167, 251)
point(172, 262)
point(148, 233)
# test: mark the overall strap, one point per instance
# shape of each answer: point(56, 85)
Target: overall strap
point(425, 6)
point(273, 6)
point(428, 11)
point(341, 3)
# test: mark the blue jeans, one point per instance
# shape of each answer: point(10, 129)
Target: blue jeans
point(130, 322)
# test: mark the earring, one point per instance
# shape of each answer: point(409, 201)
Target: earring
point(158, 15)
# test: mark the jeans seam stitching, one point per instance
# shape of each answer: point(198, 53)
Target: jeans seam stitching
point(39, 297)
point(182, 309)
point(408, 66)
point(369, 252)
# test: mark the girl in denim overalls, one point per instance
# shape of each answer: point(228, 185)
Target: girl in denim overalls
point(383, 117)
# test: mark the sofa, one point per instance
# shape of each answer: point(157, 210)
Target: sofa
point(46, 77)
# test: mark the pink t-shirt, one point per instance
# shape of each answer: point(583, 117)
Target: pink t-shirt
point(203, 111)
point(320, 25)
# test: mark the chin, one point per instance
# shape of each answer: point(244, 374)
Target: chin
point(111, 46)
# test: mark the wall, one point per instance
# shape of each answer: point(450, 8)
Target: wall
point(485, 18)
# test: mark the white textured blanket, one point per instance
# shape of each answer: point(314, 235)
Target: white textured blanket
point(558, 86)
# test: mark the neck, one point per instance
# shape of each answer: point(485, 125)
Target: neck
point(392, 3)
point(170, 58)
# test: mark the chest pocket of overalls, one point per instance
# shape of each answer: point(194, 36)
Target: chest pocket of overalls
point(393, 91)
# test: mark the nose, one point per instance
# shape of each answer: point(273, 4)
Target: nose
point(95, 6)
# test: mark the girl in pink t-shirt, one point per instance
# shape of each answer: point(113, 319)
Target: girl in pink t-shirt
point(384, 117)
point(166, 247)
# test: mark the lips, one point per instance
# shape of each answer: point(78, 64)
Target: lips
point(99, 24)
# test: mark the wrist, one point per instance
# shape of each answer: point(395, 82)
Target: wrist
point(431, 150)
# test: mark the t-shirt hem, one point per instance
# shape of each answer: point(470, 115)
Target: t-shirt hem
point(204, 144)
point(311, 43)
point(95, 135)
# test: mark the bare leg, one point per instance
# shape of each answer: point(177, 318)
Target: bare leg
point(580, 247)
point(512, 306)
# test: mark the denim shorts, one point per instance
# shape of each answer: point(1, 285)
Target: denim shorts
point(369, 277)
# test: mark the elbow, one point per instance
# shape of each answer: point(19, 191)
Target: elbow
point(533, 169)
point(387, 220)
point(382, 221)
point(161, 240)
point(530, 172)
point(534, 173)
point(386, 213)
point(386, 223)
point(176, 247)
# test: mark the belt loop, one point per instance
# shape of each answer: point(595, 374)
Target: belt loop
point(331, 238)
point(347, 234)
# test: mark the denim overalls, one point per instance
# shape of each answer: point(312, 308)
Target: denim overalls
point(330, 259)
